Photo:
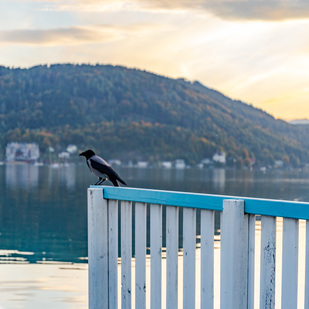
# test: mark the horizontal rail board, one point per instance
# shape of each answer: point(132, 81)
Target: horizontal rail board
point(277, 208)
point(265, 207)
point(170, 198)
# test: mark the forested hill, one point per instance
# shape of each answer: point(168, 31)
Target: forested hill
point(132, 114)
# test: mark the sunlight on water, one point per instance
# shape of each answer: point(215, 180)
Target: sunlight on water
point(36, 286)
point(13, 256)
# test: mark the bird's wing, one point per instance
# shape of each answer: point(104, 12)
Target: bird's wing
point(99, 160)
point(88, 164)
point(103, 167)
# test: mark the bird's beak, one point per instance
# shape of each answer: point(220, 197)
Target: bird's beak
point(81, 154)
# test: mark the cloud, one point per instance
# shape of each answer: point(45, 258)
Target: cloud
point(260, 10)
point(71, 35)
point(58, 36)
point(241, 9)
point(270, 10)
point(93, 6)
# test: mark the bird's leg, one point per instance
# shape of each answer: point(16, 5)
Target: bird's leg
point(102, 180)
point(98, 182)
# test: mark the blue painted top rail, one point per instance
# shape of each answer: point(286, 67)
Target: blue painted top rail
point(266, 207)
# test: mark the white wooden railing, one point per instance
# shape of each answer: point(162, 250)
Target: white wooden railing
point(130, 281)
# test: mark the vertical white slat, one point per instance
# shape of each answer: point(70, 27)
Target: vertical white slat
point(140, 255)
point(207, 258)
point(172, 214)
point(268, 262)
point(97, 249)
point(126, 254)
point(155, 253)
point(113, 253)
point(189, 248)
point(289, 263)
point(307, 267)
point(251, 264)
point(234, 255)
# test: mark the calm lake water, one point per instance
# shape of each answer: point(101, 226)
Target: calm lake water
point(43, 222)
point(43, 210)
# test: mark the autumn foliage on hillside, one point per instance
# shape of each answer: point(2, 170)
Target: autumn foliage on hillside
point(127, 113)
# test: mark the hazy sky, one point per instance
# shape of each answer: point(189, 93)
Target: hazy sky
point(255, 51)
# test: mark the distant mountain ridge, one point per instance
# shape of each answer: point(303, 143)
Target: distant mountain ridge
point(300, 122)
point(132, 114)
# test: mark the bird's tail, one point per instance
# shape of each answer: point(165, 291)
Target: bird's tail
point(114, 181)
point(119, 179)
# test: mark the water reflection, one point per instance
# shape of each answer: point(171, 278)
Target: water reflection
point(65, 175)
point(43, 213)
point(219, 179)
point(166, 174)
point(43, 210)
point(23, 176)
point(180, 175)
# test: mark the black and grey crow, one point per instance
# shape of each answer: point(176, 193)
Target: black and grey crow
point(101, 168)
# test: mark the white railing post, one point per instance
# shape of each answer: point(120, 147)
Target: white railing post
point(126, 254)
point(289, 263)
point(172, 229)
point(207, 258)
point(97, 249)
point(307, 267)
point(268, 262)
point(234, 255)
point(189, 249)
point(251, 260)
point(140, 254)
point(156, 255)
point(113, 253)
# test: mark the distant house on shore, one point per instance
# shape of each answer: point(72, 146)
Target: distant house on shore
point(22, 152)
point(142, 164)
point(219, 157)
point(206, 163)
point(166, 164)
point(180, 164)
point(114, 162)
